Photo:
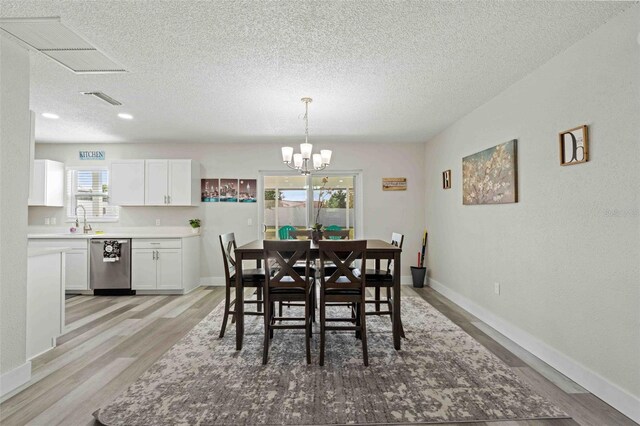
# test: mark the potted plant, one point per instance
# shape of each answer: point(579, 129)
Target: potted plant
point(195, 225)
point(316, 229)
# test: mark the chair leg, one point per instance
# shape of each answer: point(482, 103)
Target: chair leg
point(358, 319)
point(259, 297)
point(227, 302)
point(272, 310)
point(322, 323)
point(377, 298)
point(267, 330)
point(363, 333)
point(307, 329)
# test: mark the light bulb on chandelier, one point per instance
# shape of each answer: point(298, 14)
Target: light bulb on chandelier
point(300, 161)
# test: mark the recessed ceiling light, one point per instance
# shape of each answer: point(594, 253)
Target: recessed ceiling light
point(125, 116)
point(50, 115)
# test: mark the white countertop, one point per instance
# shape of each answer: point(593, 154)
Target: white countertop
point(33, 252)
point(146, 232)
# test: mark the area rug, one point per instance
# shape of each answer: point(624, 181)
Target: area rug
point(441, 375)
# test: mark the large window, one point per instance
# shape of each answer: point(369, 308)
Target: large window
point(293, 201)
point(88, 188)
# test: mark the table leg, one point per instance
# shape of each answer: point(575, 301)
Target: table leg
point(397, 324)
point(239, 308)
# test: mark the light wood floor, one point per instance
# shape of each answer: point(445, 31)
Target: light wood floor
point(111, 341)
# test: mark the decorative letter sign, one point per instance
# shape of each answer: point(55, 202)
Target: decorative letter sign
point(91, 155)
point(574, 146)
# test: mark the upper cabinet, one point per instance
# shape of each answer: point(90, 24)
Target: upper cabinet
point(171, 183)
point(47, 185)
point(127, 183)
point(155, 183)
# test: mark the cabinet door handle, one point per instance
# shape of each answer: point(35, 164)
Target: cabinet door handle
point(153, 254)
point(157, 255)
point(165, 199)
point(169, 198)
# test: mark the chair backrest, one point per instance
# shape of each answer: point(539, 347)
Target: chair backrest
point(280, 258)
point(228, 246)
point(336, 234)
point(283, 233)
point(396, 240)
point(342, 255)
point(296, 234)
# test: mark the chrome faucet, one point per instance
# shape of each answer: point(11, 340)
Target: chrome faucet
point(86, 227)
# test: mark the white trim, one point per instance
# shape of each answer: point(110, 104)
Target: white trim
point(15, 378)
point(609, 392)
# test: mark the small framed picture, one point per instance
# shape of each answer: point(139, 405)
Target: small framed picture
point(574, 146)
point(394, 184)
point(446, 179)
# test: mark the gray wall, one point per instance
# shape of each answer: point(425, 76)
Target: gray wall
point(15, 128)
point(384, 212)
point(567, 255)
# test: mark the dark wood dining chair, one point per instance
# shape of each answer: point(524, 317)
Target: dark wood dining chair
point(250, 278)
point(379, 278)
point(285, 284)
point(343, 286)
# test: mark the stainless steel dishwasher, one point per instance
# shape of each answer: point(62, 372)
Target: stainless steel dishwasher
point(112, 277)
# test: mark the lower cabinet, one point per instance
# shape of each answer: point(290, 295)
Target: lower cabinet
point(157, 265)
point(76, 267)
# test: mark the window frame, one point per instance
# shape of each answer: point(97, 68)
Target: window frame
point(70, 197)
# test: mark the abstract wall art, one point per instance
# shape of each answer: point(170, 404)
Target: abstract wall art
point(490, 176)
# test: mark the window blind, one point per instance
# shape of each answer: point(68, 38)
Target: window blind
point(89, 188)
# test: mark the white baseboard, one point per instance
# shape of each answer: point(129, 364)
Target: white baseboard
point(15, 378)
point(611, 393)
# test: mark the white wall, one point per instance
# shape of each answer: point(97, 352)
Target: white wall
point(567, 255)
point(384, 212)
point(14, 191)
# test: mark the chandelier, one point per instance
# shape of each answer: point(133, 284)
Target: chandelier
point(300, 161)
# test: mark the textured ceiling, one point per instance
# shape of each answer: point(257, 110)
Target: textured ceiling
point(234, 71)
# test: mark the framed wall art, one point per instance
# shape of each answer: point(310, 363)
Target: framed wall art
point(247, 190)
point(394, 184)
point(210, 190)
point(446, 179)
point(490, 176)
point(228, 190)
point(574, 146)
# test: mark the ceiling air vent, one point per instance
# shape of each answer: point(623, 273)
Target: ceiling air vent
point(103, 97)
point(50, 37)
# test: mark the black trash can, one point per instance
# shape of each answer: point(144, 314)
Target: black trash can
point(418, 275)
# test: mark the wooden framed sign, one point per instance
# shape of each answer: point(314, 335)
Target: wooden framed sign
point(394, 184)
point(446, 179)
point(574, 146)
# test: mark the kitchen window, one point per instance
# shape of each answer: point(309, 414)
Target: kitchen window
point(88, 188)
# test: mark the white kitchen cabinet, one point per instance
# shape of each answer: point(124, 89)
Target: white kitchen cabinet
point(127, 183)
point(156, 264)
point(172, 183)
point(169, 269)
point(45, 316)
point(47, 185)
point(76, 264)
point(143, 269)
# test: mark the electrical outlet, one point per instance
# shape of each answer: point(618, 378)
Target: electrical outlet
point(496, 288)
point(157, 222)
point(47, 221)
point(249, 222)
point(53, 220)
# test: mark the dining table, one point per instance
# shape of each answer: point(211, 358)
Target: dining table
point(376, 249)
